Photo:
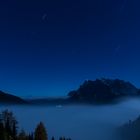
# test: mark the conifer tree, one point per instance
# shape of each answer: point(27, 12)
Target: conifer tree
point(31, 137)
point(22, 135)
point(9, 123)
point(2, 131)
point(40, 132)
point(14, 129)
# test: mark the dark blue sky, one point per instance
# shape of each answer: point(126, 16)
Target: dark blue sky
point(48, 48)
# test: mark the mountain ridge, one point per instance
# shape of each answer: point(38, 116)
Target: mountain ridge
point(91, 91)
point(10, 99)
point(103, 90)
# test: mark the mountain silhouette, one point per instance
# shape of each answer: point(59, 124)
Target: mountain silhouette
point(8, 98)
point(103, 90)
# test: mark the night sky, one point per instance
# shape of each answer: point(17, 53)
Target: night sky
point(49, 47)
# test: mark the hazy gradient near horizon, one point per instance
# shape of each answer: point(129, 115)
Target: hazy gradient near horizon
point(78, 121)
point(48, 48)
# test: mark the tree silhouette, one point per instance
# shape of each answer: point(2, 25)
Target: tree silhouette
point(2, 131)
point(14, 129)
point(40, 132)
point(22, 135)
point(9, 123)
point(9, 131)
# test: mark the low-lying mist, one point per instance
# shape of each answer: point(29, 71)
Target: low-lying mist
point(78, 122)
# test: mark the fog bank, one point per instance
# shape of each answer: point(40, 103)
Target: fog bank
point(78, 122)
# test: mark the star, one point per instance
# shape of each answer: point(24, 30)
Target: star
point(44, 17)
point(123, 6)
point(117, 49)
